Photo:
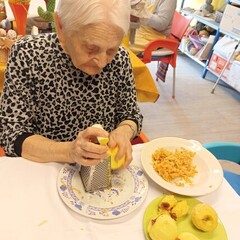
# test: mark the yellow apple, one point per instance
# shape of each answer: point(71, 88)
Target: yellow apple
point(180, 209)
point(187, 236)
point(116, 164)
point(204, 217)
point(162, 228)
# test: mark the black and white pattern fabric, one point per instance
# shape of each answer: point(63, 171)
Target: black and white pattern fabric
point(45, 94)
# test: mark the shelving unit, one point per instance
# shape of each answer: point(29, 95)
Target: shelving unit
point(211, 23)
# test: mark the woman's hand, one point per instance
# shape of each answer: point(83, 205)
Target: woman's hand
point(85, 150)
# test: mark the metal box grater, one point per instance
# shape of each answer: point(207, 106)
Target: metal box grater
point(96, 177)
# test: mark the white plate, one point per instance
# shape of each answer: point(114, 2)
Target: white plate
point(128, 191)
point(208, 178)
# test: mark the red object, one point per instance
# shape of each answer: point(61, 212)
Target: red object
point(2, 154)
point(20, 14)
point(142, 138)
point(156, 49)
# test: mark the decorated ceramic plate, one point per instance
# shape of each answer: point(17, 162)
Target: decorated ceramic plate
point(128, 191)
point(183, 224)
point(209, 174)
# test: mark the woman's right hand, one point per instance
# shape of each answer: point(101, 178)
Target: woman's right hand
point(85, 149)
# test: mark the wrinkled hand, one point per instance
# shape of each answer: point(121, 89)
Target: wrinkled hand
point(120, 138)
point(85, 150)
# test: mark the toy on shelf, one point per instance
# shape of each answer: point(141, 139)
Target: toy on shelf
point(207, 7)
point(7, 39)
point(48, 14)
point(20, 11)
point(206, 10)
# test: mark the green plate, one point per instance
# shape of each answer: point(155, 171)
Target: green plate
point(184, 224)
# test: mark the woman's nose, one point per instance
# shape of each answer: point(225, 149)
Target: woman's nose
point(101, 60)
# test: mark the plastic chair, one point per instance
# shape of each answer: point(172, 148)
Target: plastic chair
point(142, 138)
point(2, 154)
point(227, 151)
point(166, 50)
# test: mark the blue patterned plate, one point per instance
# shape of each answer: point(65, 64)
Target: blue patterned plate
point(128, 191)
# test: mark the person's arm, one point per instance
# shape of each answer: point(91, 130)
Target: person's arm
point(130, 127)
point(40, 149)
point(162, 15)
point(82, 150)
point(19, 128)
point(16, 113)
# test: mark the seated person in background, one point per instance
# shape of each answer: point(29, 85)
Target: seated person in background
point(138, 9)
point(156, 24)
point(57, 85)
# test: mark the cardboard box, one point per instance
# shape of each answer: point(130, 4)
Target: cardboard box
point(233, 78)
point(230, 20)
point(217, 63)
point(203, 53)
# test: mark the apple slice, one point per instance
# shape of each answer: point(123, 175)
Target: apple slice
point(115, 164)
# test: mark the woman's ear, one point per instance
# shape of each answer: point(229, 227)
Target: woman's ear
point(58, 26)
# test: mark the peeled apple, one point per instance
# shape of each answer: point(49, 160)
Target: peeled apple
point(187, 236)
point(204, 217)
point(162, 228)
point(115, 164)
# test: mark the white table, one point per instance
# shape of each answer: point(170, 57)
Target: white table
point(31, 208)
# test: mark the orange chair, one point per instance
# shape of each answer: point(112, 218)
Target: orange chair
point(2, 154)
point(166, 50)
point(142, 138)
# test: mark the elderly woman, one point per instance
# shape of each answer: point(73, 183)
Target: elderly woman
point(58, 85)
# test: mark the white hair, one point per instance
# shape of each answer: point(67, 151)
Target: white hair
point(76, 13)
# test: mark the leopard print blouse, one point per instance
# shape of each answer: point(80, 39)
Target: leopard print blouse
point(45, 94)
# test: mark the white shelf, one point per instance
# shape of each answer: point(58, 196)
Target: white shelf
point(202, 63)
point(207, 21)
point(235, 1)
point(229, 34)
